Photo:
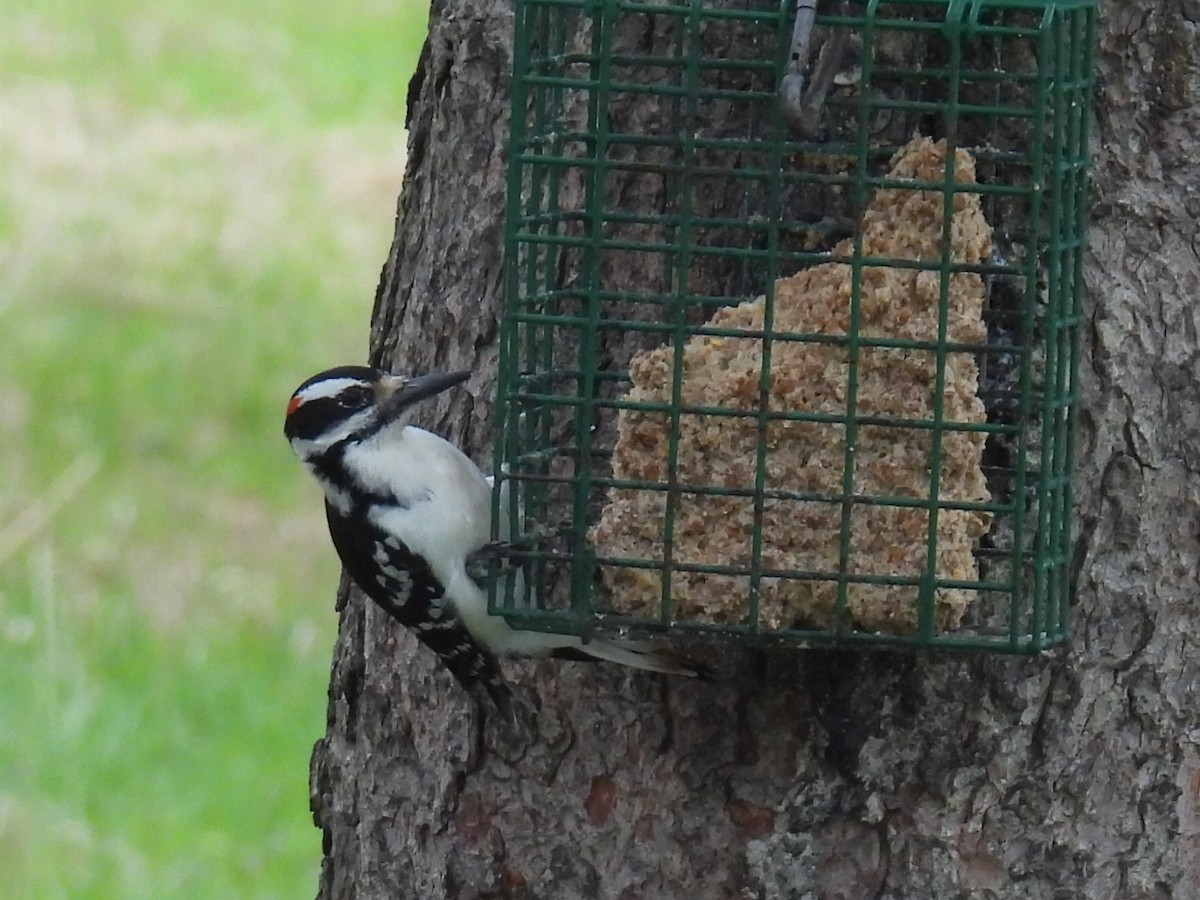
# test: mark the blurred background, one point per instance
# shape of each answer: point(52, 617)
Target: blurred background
point(195, 202)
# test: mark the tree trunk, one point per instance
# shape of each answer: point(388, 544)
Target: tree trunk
point(811, 774)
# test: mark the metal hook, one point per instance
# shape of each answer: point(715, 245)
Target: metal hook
point(801, 108)
point(791, 89)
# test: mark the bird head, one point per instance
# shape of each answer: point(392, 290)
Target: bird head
point(351, 403)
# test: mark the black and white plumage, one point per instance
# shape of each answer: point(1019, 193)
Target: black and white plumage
point(407, 510)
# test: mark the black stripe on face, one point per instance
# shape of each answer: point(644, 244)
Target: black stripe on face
point(313, 411)
point(313, 418)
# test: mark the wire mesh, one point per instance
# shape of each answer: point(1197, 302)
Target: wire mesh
point(685, 444)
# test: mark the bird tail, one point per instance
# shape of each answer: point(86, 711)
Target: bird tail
point(645, 655)
point(501, 697)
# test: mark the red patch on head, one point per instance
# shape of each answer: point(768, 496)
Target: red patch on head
point(294, 404)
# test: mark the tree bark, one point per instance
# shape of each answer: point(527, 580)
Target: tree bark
point(818, 774)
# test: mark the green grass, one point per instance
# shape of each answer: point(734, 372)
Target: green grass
point(276, 61)
point(194, 206)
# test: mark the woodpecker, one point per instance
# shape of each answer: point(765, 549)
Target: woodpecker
point(407, 511)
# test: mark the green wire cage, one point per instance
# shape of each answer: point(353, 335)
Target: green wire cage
point(791, 319)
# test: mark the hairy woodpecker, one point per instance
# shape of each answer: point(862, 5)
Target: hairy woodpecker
point(407, 510)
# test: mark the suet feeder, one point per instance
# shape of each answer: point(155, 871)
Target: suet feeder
point(792, 305)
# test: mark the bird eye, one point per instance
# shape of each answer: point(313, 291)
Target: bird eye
point(355, 397)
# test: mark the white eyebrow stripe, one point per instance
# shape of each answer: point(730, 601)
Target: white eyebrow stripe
point(324, 389)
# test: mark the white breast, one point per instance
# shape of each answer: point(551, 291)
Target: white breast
point(443, 502)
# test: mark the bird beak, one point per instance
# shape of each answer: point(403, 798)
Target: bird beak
point(398, 393)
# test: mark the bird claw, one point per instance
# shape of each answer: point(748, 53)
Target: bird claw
point(496, 556)
point(497, 550)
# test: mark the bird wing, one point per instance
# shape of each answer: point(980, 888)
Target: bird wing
point(402, 583)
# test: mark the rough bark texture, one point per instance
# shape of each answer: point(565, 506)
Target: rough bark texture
point(819, 774)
